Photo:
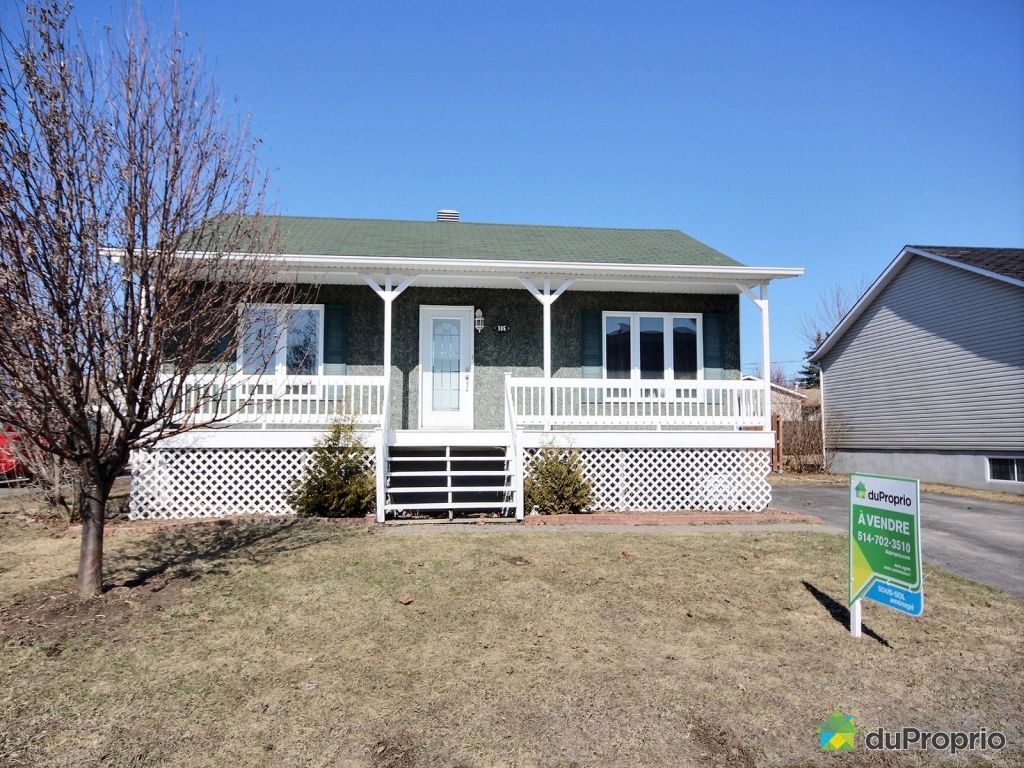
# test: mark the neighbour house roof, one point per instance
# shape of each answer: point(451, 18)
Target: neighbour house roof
point(1008, 262)
point(1002, 264)
point(779, 388)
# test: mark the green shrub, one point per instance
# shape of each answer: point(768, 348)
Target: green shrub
point(556, 485)
point(337, 483)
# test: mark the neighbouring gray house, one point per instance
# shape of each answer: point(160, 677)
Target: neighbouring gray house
point(924, 377)
point(461, 349)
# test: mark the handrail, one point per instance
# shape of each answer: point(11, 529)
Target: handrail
point(296, 399)
point(650, 403)
point(517, 459)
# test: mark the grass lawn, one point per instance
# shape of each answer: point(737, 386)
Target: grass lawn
point(285, 644)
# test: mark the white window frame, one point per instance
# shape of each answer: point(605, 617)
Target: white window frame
point(988, 470)
point(280, 369)
point(634, 344)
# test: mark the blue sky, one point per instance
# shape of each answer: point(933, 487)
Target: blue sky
point(818, 134)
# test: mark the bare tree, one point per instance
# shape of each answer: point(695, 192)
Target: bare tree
point(130, 213)
point(833, 304)
point(778, 374)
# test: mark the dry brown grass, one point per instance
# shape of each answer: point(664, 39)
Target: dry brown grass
point(828, 478)
point(287, 646)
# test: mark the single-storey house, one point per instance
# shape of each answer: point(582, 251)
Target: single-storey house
point(462, 349)
point(924, 377)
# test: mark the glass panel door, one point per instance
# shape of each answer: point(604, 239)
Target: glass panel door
point(446, 364)
point(652, 348)
point(446, 367)
point(617, 357)
point(259, 340)
point(303, 342)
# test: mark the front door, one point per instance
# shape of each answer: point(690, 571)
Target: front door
point(446, 366)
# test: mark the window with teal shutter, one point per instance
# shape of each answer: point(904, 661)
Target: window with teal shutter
point(335, 340)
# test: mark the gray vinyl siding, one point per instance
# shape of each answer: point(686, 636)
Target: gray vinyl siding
point(935, 363)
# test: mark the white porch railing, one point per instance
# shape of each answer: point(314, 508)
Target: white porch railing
point(239, 399)
point(651, 403)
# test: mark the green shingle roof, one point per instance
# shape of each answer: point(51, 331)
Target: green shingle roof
point(299, 235)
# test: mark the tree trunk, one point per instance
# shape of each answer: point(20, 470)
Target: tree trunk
point(90, 561)
point(55, 492)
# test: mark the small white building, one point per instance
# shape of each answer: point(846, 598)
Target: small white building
point(788, 403)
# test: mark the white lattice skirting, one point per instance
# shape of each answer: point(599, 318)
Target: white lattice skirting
point(667, 479)
point(176, 483)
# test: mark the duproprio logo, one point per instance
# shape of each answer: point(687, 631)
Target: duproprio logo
point(837, 733)
point(897, 501)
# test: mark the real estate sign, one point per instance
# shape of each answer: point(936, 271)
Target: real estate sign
point(885, 542)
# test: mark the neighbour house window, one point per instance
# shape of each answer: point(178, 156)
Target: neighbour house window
point(1011, 470)
point(278, 340)
point(644, 345)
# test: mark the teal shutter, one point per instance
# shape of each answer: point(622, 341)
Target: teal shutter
point(591, 354)
point(335, 339)
point(713, 365)
point(590, 344)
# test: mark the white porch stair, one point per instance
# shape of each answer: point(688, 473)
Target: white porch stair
point(449, 480)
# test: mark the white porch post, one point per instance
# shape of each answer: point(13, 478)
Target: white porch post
point(388, 293)
point(546, 299)
point(761, 302)
point(546, 304)
point(766, 358)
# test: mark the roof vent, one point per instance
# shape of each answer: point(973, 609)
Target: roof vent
point(447, 214)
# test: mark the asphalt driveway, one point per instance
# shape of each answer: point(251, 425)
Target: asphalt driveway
point(982, 540)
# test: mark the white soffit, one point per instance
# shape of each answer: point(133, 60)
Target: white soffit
point(647, 285)
point(505, 274)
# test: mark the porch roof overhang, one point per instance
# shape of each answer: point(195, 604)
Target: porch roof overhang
point(503, 273)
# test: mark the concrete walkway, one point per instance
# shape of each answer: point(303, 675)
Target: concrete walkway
point(982, 540)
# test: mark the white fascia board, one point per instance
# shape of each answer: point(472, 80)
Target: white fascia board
point(306, 438)
point(232, 437)
point(883, 280)
point(376, 264)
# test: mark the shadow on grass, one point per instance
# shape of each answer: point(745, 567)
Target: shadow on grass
point(211, 548)
point(840, 612)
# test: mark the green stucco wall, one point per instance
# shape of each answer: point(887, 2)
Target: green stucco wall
point(518, 351)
